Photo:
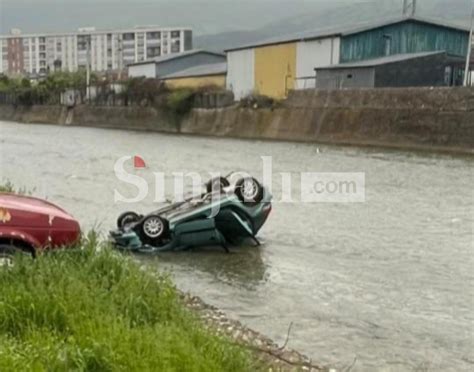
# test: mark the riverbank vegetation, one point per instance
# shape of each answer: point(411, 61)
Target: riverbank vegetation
point(46, 90)
point(91, 309)
point(103, 91)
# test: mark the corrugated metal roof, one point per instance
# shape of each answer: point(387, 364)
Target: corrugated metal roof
point(380, 61)
point(202, 70)
point(345, 31)
point(170, 57)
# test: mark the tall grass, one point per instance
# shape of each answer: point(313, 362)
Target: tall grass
point(90, 309)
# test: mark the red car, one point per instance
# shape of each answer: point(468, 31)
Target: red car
point(31, 225)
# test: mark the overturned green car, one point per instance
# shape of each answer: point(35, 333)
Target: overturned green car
point(226, 214)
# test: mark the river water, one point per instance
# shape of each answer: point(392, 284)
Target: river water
point(388, 283)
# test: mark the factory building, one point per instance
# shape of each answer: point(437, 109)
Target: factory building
point(273, 67)
point(157, 68)
point(432, 69)
point(198, 76)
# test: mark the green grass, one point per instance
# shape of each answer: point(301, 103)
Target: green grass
point(8, 187)
point(90, 309)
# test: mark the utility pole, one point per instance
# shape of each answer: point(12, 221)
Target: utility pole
point(469, 50)
point(120, 56)
point(88, 68)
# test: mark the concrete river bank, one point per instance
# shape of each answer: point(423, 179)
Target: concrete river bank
point(388, 281)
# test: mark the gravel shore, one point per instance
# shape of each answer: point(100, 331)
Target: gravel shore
point(278, 358)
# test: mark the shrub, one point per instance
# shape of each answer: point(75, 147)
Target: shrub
point(180, 101)
point(143, 91)
point(258, 101)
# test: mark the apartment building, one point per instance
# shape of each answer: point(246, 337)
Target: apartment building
point(38, 54)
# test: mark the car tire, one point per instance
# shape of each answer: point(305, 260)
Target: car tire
point(8, 253)
point(154, 229)
point(249, 190)
point(127, 218)
point(217, 184)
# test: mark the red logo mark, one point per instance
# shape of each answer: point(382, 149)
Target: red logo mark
point(138, 162)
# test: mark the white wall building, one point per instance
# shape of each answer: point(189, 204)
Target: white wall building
point(105, 50)
point(241, 72)
point(274, 66)
point(312, 54)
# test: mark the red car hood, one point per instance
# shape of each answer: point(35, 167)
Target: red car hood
point(32, 205)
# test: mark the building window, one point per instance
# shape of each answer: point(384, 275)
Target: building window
point(175, 34)
point(175, 46)
point(154, 35)
point(153, 52)
point(128, 36)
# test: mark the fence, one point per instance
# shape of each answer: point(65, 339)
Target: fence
point(29, 98)
point(112, 96)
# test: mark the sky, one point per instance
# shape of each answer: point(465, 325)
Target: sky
point(204, 16)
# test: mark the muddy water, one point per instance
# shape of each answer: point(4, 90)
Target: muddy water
point(388, 282)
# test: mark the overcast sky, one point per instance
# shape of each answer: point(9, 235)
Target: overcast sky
point(204, 16)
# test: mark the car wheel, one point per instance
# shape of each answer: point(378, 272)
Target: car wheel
point(8, 254)
point(217, 184)
point(155, 229)
point(127, 218)
point(249, 190)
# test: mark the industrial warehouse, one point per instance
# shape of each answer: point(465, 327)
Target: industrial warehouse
point(274, 67)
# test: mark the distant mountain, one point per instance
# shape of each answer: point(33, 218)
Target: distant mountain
point(342, 16)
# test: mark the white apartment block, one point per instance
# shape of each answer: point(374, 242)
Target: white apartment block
point(38, 54)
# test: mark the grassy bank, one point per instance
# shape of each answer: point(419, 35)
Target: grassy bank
point(98, 311)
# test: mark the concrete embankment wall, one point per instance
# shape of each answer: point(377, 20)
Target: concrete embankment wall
point(441, 119)
point(134, 118)
point(34, 114)
point(438, 119)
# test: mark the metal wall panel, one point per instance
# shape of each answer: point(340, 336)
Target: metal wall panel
point(145, 70)
point(179, 64)
point(241, 72)
point(346, 78)
point(312, 54)
point(275, 70)
point(405, 37)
